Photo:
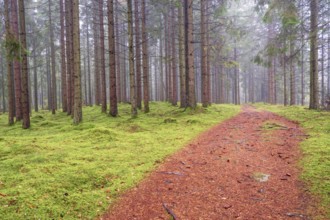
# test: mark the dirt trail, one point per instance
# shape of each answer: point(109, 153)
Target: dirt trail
point(244, 168)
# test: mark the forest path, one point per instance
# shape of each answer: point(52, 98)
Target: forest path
point(243, 168)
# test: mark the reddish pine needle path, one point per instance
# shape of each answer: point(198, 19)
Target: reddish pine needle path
point(244, 168)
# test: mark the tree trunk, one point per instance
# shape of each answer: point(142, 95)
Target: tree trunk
point(131, 60)
point(112, 58)
point(35, 77)
point(3, 85)
point(189, 54)
point(292, 75)
point(162, 84)
point(88, 59)
point(145, 59)
point(77, 113)
point(204, 55)
point(236, 80)
point(25, 77)
point(96, 58)
point(174, 70)
point(124, 87)
point(138, 55)
point(68, 23)
point(53, 63)
point(285, 81)
point(10, 82)
point(16, 64)
point(302, 74)
point(183, 102)
point(117, 53)
point(63, 59)
point(314, 96)
point(322, 71)
point(102, 67)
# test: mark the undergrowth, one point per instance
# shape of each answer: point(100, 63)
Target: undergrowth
point(316, 149)
point(59, 171)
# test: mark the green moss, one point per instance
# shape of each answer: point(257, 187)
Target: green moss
point(316, 149)
point(59, 171)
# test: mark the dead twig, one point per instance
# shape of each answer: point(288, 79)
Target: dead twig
point(169, 211)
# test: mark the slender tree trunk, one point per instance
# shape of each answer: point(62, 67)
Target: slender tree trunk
point(96, 59)
point(77, 113)
point(63, 59)
point(25, 77)
point(162, 84)
point(3, 85)
point(314, 96)
point(117, 48)
point(10, 81)
point(204, 55)
point(189, 54)
point(285, 81)
point(292, 75)
point(208, 60)
point(169, 56)
point(174, 70)
point(302, 75)
point(84, 79)
point(322, 71)
point(138, 55)
point(16, 64)
point(145, 59)
point(124, 91)
point(183, 102)
point(53, 63)
point(88, 59)
point(102, 67)
point(68, 23)
point(35, 77)
point(236, 81)
point(112, 58)
point(131, 60)
point(48, 78)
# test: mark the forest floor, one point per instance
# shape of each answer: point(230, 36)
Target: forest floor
point(243, 168)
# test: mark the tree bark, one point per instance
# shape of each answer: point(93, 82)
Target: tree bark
point(102, 53)
point(174, 69)
point(285, 81)
point(117, 53)
point(314, 97)
point(97, 86)
point(25, 77)
point(10, 81)
point(138, 55)
point(131, 60)
point(53, 62)
point(88, 59)
point(189, 54)
point(77, 113)
point(145, 59)
point(63, 59)
point(16, 63)
point(112, 58)
point(35, 77)
point(292, 75)
point(3, 85)
point(68, 23)
point(204, 56)
point(183, 102)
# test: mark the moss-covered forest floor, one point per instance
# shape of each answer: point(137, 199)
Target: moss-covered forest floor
point(248, 167)
point(59, 171)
